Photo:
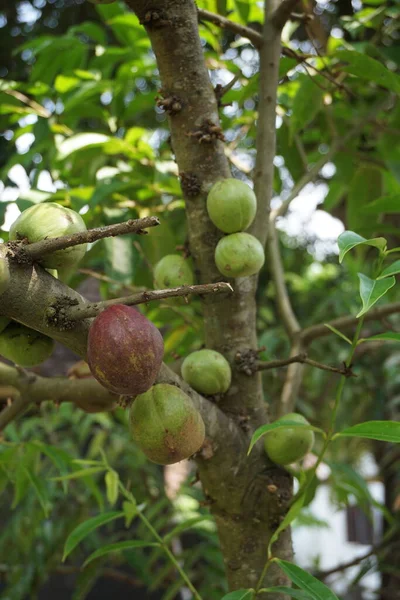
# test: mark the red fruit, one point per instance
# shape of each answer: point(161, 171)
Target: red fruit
point(125, 350)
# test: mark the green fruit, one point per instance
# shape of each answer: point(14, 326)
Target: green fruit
point(231, 205)
point(166, 425)
point(239, 255)
point(4, 275)
point(290, 444)
point(24, 346)
point(172, 271)
point(50, 220)
point(3, 323)
point(207, 371)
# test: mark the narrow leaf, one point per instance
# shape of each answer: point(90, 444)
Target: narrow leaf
point(292, 513)
point(112, 481)
point(392, 269)
point(315, 589)
point(119, 547)
point(282, 589)
point(40, 491)
point(339, 333)
point(371, 290)
point(79, 474)
point(386, 431)
point(281, 424)
point(83, 530)
point(349, 240)
point(370, 69)
point(389, 336)
point(130, 511)
point(186, 525)
point(239, 595)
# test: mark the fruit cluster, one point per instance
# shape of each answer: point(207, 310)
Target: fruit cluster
point(232, 206)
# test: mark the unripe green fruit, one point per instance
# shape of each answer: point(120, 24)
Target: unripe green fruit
point(239, 255)
point(4, 275)
point(289, 444)
point(231, 205)
point(24, 346)
point(165, 424)
point(172, 271)
point(50, 220)
point(207, 371)
point(4, 321)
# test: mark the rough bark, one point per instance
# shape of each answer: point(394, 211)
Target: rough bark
point(245, 514)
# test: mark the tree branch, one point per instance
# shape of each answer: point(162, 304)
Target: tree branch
point(289, 319)
point(37, 250)
point(310, 334)
point(302, 358)
point(225, 23)
point(282, 13)
point(266, 123)
point(13, 410)
point(92, 309)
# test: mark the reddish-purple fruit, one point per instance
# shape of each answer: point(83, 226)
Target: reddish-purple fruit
point(125, 350)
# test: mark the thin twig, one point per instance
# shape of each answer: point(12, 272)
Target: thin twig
point(302, 358)
point(13, 410)
point(38, 249)
point(225, 23)
point(344, 323)
point(313, 172)
point(91, 309)
point(289, 319)
point(283, 12)
point(38, 108)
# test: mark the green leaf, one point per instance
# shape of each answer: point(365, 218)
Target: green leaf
point(366, 185)
point(79, 142)
point(83, 530)
point(371, 290)
point(307, 102)
point(282, 423)
point(392, 269)
point(306, 582)
point(349, 240)
point(385, 204)
point(130, 511)
point(389, 336)
point(118, 547)
point(368, 68)
point(186, 525)
point(339, 333)
point(282, 589)
point(112, 481)
point(239, 595)
point(385, 431)
point(40, 491)
point(290, 516)
point(79, 474)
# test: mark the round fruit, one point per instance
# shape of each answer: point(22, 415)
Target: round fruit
point(207, 371)
point(239, 255)
point(172, 271)
point(289, 444)
point(4, 321)
point(24, 346)
point(4, 275)
point(125, 350)
point(165, 424)
point(231, 205)
point(50, 220)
